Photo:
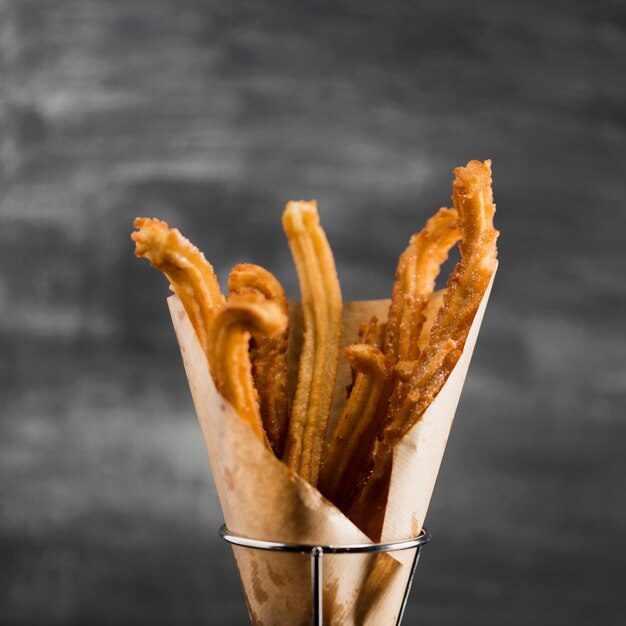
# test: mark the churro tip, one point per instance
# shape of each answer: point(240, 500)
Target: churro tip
point(298, 214)
point(472, 179)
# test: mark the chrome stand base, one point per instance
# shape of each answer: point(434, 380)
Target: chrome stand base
point(317, 552)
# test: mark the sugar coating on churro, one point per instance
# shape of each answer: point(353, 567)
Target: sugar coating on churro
point(269, 354)
point(229, 339)
point(473, 200)
point(399, 366)
point(369, 364)
point(321, 308)
point(191, 276)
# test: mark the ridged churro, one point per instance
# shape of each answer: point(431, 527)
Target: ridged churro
point(418, 268)
point(473, 200)
point(372, 333)
point(369, 364)
point(191, 276)
point(241, 316)
point(269, 356)
point(398, 367)
point(321, 308)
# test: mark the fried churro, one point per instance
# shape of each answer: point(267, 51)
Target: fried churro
point(473, 201)
point(229, 337)
point(372, 333)
point(321, 307)
point(369, 364)
point(418, 268)
point(191, 276)
point(398, 367)
point(269, 356)
point(416, 273)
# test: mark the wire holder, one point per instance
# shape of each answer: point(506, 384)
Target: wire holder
point(317, 552)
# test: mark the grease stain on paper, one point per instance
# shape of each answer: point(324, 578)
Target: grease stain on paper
point(410, 444)
point(275, 576)
point(331, 607)
point(228, 479)
point(260, 594)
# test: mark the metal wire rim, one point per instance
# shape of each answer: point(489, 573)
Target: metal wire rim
point(305, 548)
point(316, 553)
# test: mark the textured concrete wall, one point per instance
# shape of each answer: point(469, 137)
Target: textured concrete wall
point(212, 114)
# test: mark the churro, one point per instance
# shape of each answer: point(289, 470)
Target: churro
point(372, 333)
point(191, 276)
point(269, 356)
point(369, 364)
point(229, 337)
point(321, 308)
point(418, 268)
point(398, 366)
point(473, 200)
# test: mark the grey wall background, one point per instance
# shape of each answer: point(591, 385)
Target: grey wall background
point(211, 115)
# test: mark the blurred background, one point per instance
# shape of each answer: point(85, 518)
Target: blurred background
point(211, 115)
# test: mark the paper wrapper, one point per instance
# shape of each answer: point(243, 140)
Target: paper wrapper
point(262, 499)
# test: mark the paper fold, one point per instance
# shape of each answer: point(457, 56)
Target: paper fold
point(262, 499)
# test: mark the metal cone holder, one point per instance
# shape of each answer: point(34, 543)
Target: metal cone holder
point(317, 552)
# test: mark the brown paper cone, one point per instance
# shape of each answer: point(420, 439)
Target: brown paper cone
point(262, 499)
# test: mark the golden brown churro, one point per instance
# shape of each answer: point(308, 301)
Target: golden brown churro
point(473, 200)
point(418, 268)
point(399, 366)
point(321, 308)
point(416, 273)
point(229, 337)
point(190, 274)
point(369, 364)
point(472, 197)
point(403, 370)
point(372, 333)
point(269, 356)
